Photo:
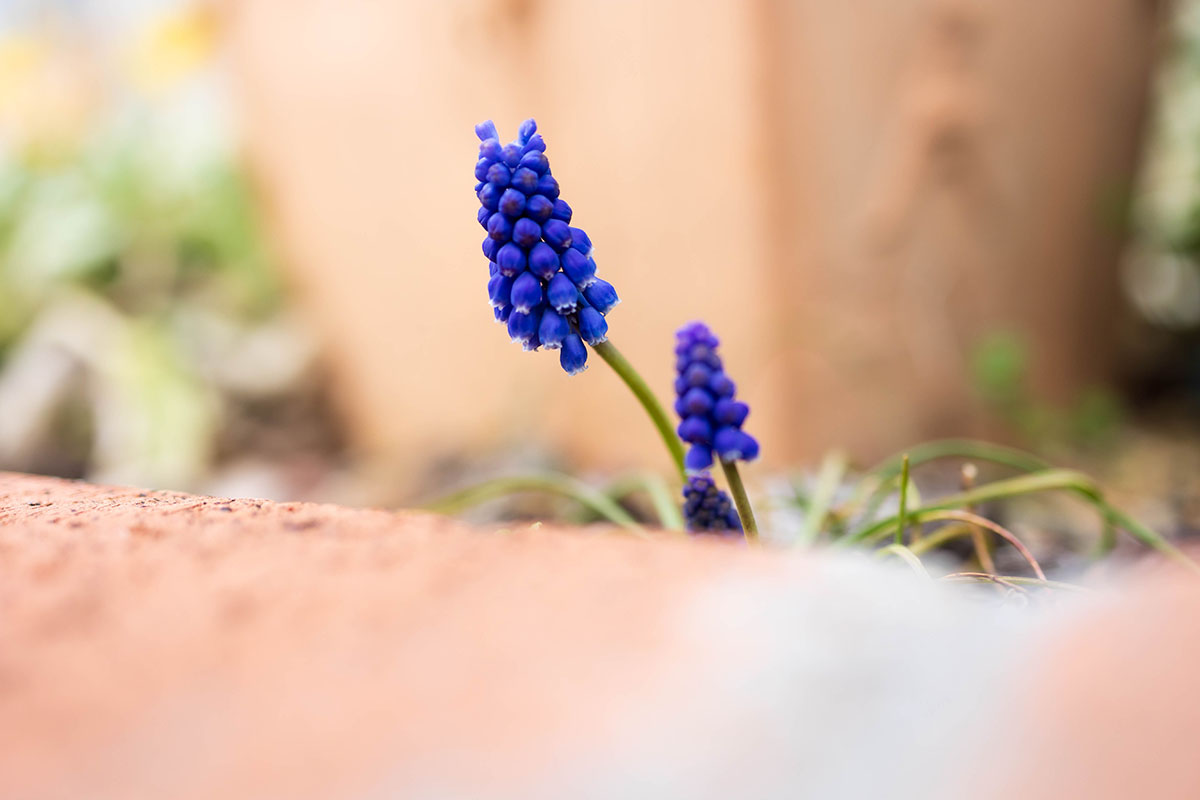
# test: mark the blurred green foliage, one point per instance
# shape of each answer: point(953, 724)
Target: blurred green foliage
point(111, 251)
point(1000, 366)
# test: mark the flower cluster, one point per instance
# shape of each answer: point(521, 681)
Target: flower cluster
point(707, 509)
point(712, 418)
point(543, 282)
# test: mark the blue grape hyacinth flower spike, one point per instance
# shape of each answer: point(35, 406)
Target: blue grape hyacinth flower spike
point(705, 399)
point(542, 280)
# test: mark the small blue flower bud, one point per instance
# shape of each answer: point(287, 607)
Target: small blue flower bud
point(573, 356)
point(562, 294)
point(510, 260)
point(698, 456)
point(535, 161)
point(528, 128)
point(490, 246)
point(484, 214)
point(562, 210)
point(526, 292)
point(512, 155)
point(499, 289)
point(536, 142)
point(481, 169)
point(499, 228)
point(548, 186)
point(492, 150)
point(592, 326)
point(502, 313)
point(539, 208)
point(704, 354)
point(498, 175)
point(493, 268)
point(695, 374)
point(580, 241)
point(523, 325)
point(489, 197)
point(543, 261)
point(553, 330)
point(487, 130)
point(681, 385)
point(526, 180)
point(526, 232)
point(696, 402)
point(580, 269)
point(730, 412)
point(512, 203)
point(695, 430)
point(601, 295)
point(731, 444)
point(721, 385)
point(749, 447)
point(557, 234)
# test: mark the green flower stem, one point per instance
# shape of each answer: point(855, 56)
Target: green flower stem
point(646, 397)
point(738, 490)
point(552, 483)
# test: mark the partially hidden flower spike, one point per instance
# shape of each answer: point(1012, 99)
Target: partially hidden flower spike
point(707, 509)
point(712, 417)
point(541, 278)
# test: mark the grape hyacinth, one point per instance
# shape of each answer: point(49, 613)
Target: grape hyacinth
point(706, 509)
point(542, 282)
point(712, 417)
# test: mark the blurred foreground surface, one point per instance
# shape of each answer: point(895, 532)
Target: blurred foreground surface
point(161, 644)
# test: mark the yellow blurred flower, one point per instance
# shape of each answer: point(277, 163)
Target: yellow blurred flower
point(172, 45)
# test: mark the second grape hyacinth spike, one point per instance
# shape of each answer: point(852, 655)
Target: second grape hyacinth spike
point(542, 276)
point(705, 399)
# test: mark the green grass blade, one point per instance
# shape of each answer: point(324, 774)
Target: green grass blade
point(666, 508)
point(550, 483)
point(829, 478)
point(1046, 480)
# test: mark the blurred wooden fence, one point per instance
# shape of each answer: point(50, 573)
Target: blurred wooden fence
point(851, 194)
